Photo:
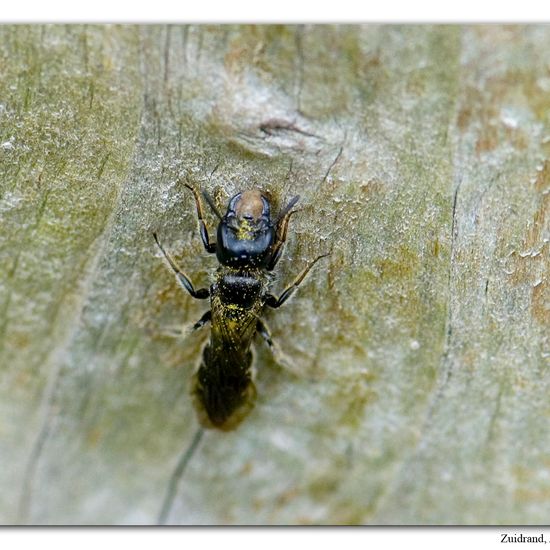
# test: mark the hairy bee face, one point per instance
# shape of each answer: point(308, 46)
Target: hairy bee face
point(246, 233)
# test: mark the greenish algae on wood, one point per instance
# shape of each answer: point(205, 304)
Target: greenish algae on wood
point(419, 380)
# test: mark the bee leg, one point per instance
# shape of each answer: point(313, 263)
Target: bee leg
point(274, 302)
point(201, 293)
point(282, 230)
point(184, 331)
point(209, 246)
point(172, 332)
point(263, 331)
point(168, 331)
point(280, 358)
point(202, 321)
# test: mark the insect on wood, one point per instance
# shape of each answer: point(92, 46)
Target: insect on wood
point(248, 246)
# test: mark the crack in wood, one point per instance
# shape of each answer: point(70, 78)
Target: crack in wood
point(177, 475)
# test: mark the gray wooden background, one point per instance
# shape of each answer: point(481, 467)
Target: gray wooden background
point(419, 384)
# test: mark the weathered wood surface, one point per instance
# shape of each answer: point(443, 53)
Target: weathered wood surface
point(420, 386)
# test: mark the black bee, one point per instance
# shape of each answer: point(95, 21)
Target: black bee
point(249, 244)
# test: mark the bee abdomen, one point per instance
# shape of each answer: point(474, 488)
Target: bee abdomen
point(223, 392)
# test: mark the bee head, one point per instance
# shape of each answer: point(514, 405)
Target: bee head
point(246, 233)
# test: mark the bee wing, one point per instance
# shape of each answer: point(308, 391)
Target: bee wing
point(235, 327)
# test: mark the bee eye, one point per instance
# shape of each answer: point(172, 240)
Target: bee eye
point(232, 222)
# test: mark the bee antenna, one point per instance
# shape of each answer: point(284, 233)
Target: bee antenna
point(210, 202)
point(287, 208)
